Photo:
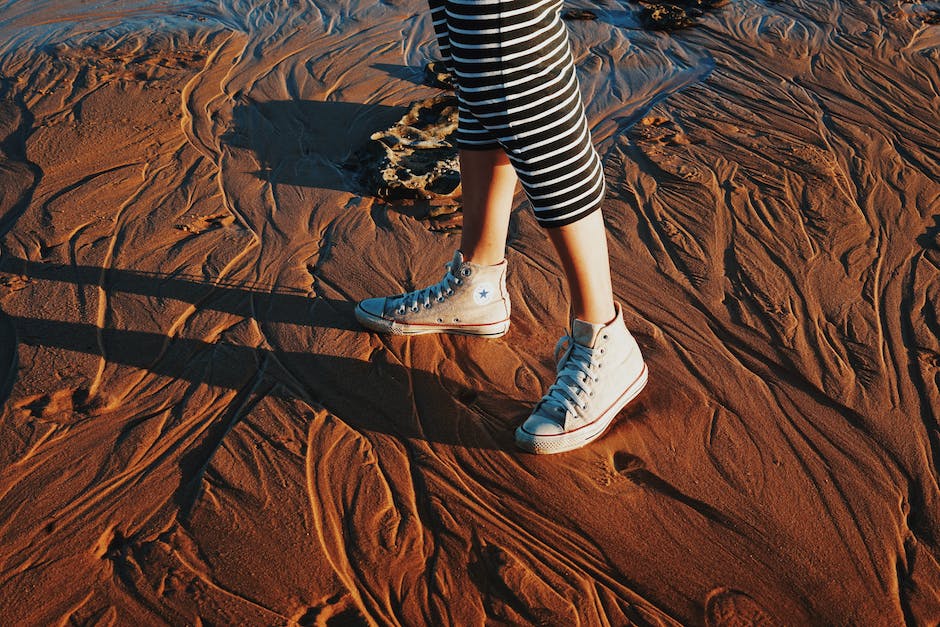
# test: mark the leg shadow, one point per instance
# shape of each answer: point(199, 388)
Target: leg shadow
point(306, 143)
point(377, 396)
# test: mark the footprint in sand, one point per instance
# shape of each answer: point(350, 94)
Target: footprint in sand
point(627, 464)
point(340, 609)
point(14, 283)
point(930, 241)
point(622, 466)
point(202, 224)
point(726, 607)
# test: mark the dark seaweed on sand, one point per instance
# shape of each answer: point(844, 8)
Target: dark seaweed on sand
point(415, 158)
point(675, 14)
point(579, 15)
point(436, 74)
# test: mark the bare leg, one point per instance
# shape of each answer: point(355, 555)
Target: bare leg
point(584, 401)
point(478, 305)
point(489, 182)
point(582, 248)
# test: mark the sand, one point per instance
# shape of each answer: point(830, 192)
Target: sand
point(196, 431)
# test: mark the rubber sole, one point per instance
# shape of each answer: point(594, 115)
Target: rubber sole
point(382, 325)
point(548, 444)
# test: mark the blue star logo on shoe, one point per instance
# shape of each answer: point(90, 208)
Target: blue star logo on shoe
point(483, 293)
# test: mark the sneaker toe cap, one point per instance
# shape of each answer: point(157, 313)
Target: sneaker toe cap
point(540, 425)
point(373, 307)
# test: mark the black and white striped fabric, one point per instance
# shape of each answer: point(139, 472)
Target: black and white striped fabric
point(518, 90)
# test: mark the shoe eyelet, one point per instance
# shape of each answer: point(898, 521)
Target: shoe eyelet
point(605, 336)
point(427, 305)
point(440, 320)
point(400, 312)
point(456, 319)
point(415, 308)
point(465, 272)
point(440, 299)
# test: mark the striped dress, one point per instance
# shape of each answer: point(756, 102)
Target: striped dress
point(517, 90)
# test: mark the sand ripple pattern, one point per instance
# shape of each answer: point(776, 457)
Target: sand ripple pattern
point(194, 430)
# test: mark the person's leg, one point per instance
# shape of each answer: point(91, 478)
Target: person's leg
point(488, 183)
point(472, 298)
point(601, 368)
point(582, 248)
point(517, 90)
point(518, 86)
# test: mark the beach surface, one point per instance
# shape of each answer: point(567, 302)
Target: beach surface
point(194, 429)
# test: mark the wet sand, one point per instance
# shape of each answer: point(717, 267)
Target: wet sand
point(196, 431)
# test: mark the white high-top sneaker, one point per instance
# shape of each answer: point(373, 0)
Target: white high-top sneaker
point(470, 300)
point(600, 370)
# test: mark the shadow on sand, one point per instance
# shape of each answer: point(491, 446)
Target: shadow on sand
point(320, 144)
point(306, 143)
point(379, 395)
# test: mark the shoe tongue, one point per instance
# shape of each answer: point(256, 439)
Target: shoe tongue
point(585, 333)
point(456, 262)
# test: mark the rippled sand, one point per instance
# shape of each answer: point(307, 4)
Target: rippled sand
point(195, 430)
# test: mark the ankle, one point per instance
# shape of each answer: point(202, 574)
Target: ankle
point(480, 258)
point(595, 315)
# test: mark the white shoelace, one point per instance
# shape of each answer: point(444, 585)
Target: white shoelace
point(577, 370)
point(440, 291)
